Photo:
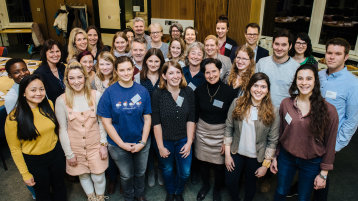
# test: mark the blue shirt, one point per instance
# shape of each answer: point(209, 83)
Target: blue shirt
point(341, 90)
point(195, 81)
point(126, 107)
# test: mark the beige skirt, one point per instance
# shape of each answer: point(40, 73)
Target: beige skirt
point(208, 141)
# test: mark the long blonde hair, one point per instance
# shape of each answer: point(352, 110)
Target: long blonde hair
point(249, 71)
point(69, 93)
point(107, 56)
point(72, 49)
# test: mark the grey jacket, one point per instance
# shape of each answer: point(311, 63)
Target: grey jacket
point(266, 136)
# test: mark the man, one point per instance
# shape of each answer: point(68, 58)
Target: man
point(138, 28)
point(252, 36)
point(16, 69)
point(138, 51)
point(279, 67)
point(340, 88)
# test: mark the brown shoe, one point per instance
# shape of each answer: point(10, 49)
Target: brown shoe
point(111, 188)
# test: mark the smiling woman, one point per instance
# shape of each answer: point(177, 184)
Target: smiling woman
point(51, 69)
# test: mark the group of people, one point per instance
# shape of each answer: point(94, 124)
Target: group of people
point(232, 108)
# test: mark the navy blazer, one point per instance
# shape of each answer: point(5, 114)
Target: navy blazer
point(261, 52)
point(54, 86)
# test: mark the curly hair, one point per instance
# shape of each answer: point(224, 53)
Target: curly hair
point(244, 74)
point(318, 114)
point(265, 109)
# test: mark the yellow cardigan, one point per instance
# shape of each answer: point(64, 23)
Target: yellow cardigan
point(44, 143)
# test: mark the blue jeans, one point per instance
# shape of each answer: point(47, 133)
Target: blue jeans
point(132, 170)
point(288, 164)
point(174, 183)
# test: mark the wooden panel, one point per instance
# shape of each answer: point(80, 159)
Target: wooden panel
point(239, 17)
point(206, 14)
point(255, 11)
point(173, 9)
point(39, 16)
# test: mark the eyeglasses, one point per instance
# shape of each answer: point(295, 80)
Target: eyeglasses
point(301, 43)
point(252, 35)
point(242, 59)
point(157, 32)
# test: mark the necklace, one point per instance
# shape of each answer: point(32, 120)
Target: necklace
point(212, 96)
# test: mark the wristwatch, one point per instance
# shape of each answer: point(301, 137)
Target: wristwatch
point(104, 144)
point(323, 176)
point(142, 142)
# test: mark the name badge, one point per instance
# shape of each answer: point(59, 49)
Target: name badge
point(136, 98)
point(288, 118)
point(218, 103)
point(180, 101)
point(228, 46)
point(331, 94)
point(192, 86)
point(254, 114)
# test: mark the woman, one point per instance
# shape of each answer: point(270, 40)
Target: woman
point(175, 31)
point(195, 55)
point(105, 73)
point(190, 35)
point(211, 50)
point(156, 34)
point(120, 45)
point(82, 136)
point(225, 44)
point(242, 69)
point(173, 120)
point(251, 135)
point(51, 69)
point(95, 41)
point(130, 35)
point(302, 50)
point(176, 51)
point(77, 43)
point(87, 60)
point(213, 100)
point(125, 112)
point(32, 135)
point(149, 78)
point(307, 136)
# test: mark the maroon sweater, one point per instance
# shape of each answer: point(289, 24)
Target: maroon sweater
point(297, 138)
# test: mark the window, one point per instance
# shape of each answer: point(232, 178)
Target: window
point(321, 19)
point(17, 13)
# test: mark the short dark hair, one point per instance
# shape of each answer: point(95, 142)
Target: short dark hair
point(303, 36)
point(128, 29)
point(207, 61)
point(122, 59)
point(223, 19)
point(341, 42)
point(48, 44)
point(12, 62)
point(282, 33)
point(252, 25)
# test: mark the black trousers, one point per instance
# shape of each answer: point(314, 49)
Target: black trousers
point(219, 174)
point(48, 171)
point(249, 167)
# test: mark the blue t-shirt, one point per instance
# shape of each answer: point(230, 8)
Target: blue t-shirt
point(126, 107)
